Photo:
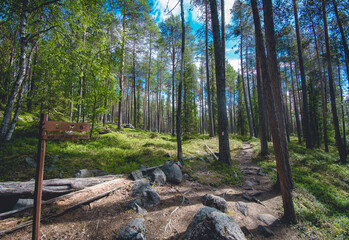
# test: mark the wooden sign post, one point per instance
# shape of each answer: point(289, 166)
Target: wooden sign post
point(45, 126)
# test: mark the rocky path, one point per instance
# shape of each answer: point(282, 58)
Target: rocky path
point(263, 204)
point(104, 218)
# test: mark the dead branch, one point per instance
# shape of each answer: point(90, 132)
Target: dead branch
point(214, 155)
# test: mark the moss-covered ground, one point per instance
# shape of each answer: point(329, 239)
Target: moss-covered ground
point(321, 194)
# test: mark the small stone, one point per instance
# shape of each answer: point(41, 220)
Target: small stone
point(141, 210)
point(249, 183)
point(132, 204)
point(142, 189)
point(158, 177)
point(83, 173)
point(268, 219)
point(242, 207)
point(21, 203)
point(265, 231)
point(136, 175)
point(215, 202)
point(167, 155)
point(30, 162)
point(135, 230)
point(261, 173)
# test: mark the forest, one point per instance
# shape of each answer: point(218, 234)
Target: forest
point(261, 85)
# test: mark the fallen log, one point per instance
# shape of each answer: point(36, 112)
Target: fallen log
point(86, 201)
point(51, 188)
point(70, 195)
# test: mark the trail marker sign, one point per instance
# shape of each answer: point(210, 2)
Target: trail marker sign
point(51, 126)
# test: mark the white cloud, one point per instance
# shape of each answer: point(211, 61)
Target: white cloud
point(235, 63)
point(227, 6)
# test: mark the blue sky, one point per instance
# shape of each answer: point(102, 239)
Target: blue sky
point(161, 7)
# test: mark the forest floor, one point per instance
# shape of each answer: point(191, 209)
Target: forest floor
point(104, 218)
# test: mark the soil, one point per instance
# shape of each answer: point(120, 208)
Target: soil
point(104, 218)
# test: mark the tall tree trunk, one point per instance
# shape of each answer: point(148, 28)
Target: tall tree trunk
point(224, 148)
point(306, 119)
point(244, 88)
point(295, 107)
point(344, 40)
point(275, 125)
point(122, 62)
point(342, 103)
point(134, 83)
point(323, 98)
point(173, 88)
point(149, 74)
point(249, 94)
point(261, 110)
point(275, 78)
point(21, 73)
point(208, 84)
point(341, 147)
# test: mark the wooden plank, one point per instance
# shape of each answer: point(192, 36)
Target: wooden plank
point(66, 126)
point(65, 136)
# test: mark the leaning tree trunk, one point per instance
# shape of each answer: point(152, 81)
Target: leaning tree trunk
point(344, 40)
point(306, 119)
point(341, 147)
point(21, 73)
point(277, 132)
point(224, 148)
point(276, 83)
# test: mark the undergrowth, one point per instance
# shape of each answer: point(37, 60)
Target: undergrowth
point(111, 150)
point(321, 196)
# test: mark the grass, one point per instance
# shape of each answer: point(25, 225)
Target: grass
point(321, 196)
point(116, 151)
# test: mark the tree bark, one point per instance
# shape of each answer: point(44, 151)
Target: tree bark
point(340, 146)
point(224, 148)
point(277, 132)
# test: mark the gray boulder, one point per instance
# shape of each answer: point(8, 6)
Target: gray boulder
point(30, 162)
point(135, 230)
point(173, 172)
point(215, 202)
point(211, 224)
point(158, 177)
point(142, 189)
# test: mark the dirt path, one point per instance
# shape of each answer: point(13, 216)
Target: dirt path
point(104, 218)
